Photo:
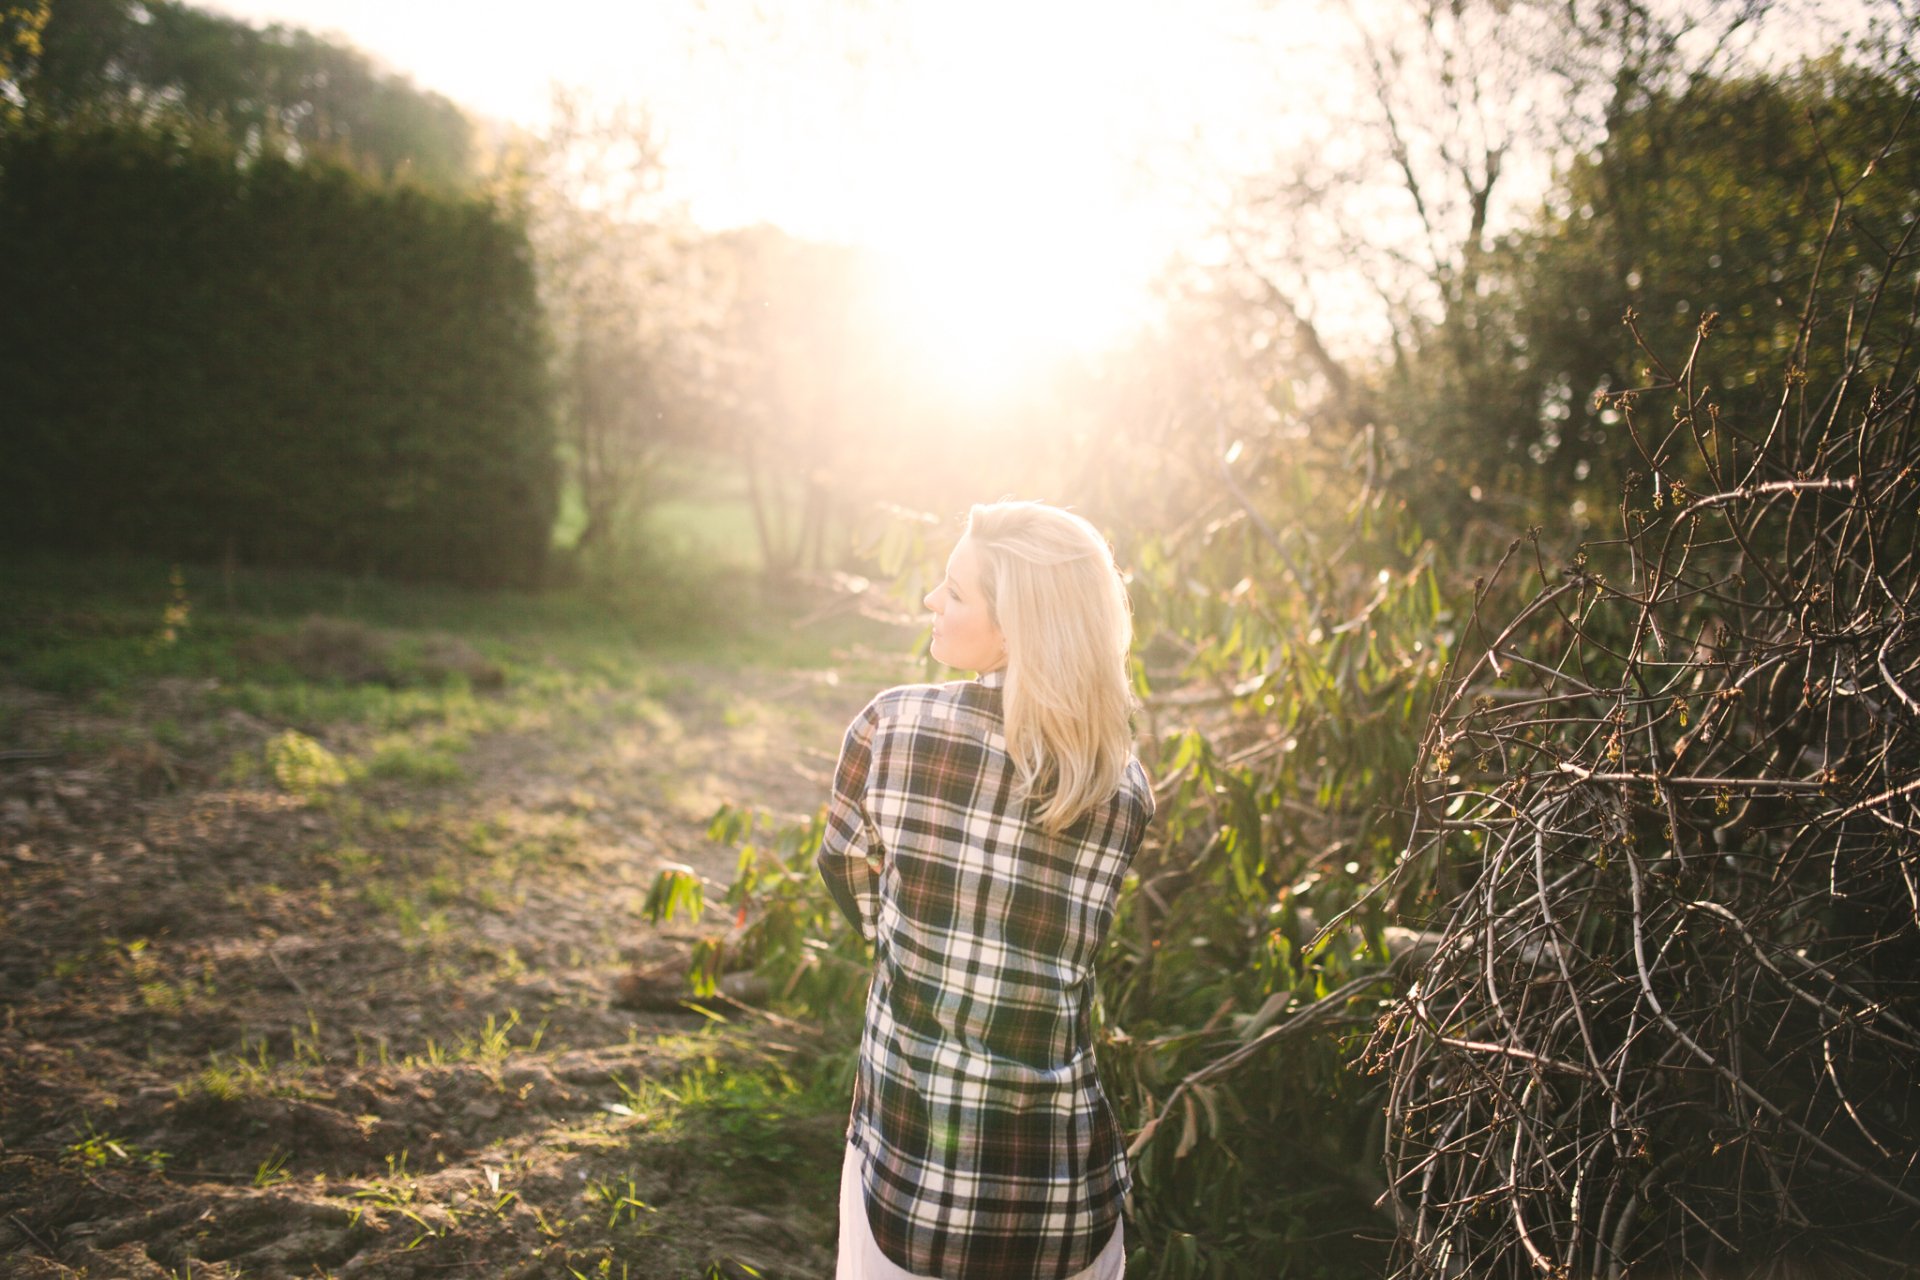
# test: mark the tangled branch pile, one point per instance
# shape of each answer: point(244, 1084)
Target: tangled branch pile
point(1673, 1027)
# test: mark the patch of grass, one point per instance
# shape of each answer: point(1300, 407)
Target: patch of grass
point(226, 1082)
point(71, 966)
point(78, 625)
point(682, 581)
point(573, 660)
point(313, 703)
point(440, 888)
point(354, 862)
point(753, 1115)
point(435, 762)
point(303, 766)
point(255, 1072)
point(155, 989)
point(481, 863)
point(491, 846)
point(404, 909)
point(747, 1110)
point(71, 661)
point(492, 1045)
point(243, 768)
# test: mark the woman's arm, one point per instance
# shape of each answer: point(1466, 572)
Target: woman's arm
point(849, 858)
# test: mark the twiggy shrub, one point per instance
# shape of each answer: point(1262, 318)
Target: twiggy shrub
point(1673, 803)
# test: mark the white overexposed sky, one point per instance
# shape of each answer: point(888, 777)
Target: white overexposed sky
point(1071, 145)
point(1028, 165)
point(806, 111)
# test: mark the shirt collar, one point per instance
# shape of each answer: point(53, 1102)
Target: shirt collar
point(993, 679)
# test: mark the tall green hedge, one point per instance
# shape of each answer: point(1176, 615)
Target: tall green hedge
point(205, 356)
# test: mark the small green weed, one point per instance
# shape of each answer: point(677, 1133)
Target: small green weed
point(398, 1193)
point(154, 989)
point(620, 1197)
point(602, 1272)
point(273, 1170)
point(646, 1101)
point(164, 997)
point(495, 1040)
point(492, 1045)
point(99, 1150)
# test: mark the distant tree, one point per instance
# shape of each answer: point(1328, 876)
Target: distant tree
point(623, 308)
point(275, 90)
point(1697, 204)
point(1443, 256)
point(784, 398)
point(1366, 266)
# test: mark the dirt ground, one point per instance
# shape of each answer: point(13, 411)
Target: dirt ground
point(374, 1028)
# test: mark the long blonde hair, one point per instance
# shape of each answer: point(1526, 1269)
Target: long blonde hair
point(1052, 588)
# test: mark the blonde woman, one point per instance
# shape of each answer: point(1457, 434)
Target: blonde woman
point(977, 835)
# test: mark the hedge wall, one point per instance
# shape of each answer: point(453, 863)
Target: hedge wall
point(292, 364)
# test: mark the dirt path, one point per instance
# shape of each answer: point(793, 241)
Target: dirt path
point(368, 1029)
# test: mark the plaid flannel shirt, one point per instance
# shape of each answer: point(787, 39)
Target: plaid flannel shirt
point(990, 1151)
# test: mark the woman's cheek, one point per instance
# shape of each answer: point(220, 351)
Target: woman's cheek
point(976, 632)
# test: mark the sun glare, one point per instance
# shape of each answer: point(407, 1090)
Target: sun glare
point(1008, 187)
point(1003, 161)
point(1023, 167)
point(989, 294)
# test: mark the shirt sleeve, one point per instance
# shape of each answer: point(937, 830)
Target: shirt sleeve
point(849, 858)
point(1144, 816)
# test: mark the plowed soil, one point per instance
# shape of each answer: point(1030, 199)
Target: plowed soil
point(405, 1025)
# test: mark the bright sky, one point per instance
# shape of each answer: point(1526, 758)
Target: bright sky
point(1027, 166)
point(1048, 154)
